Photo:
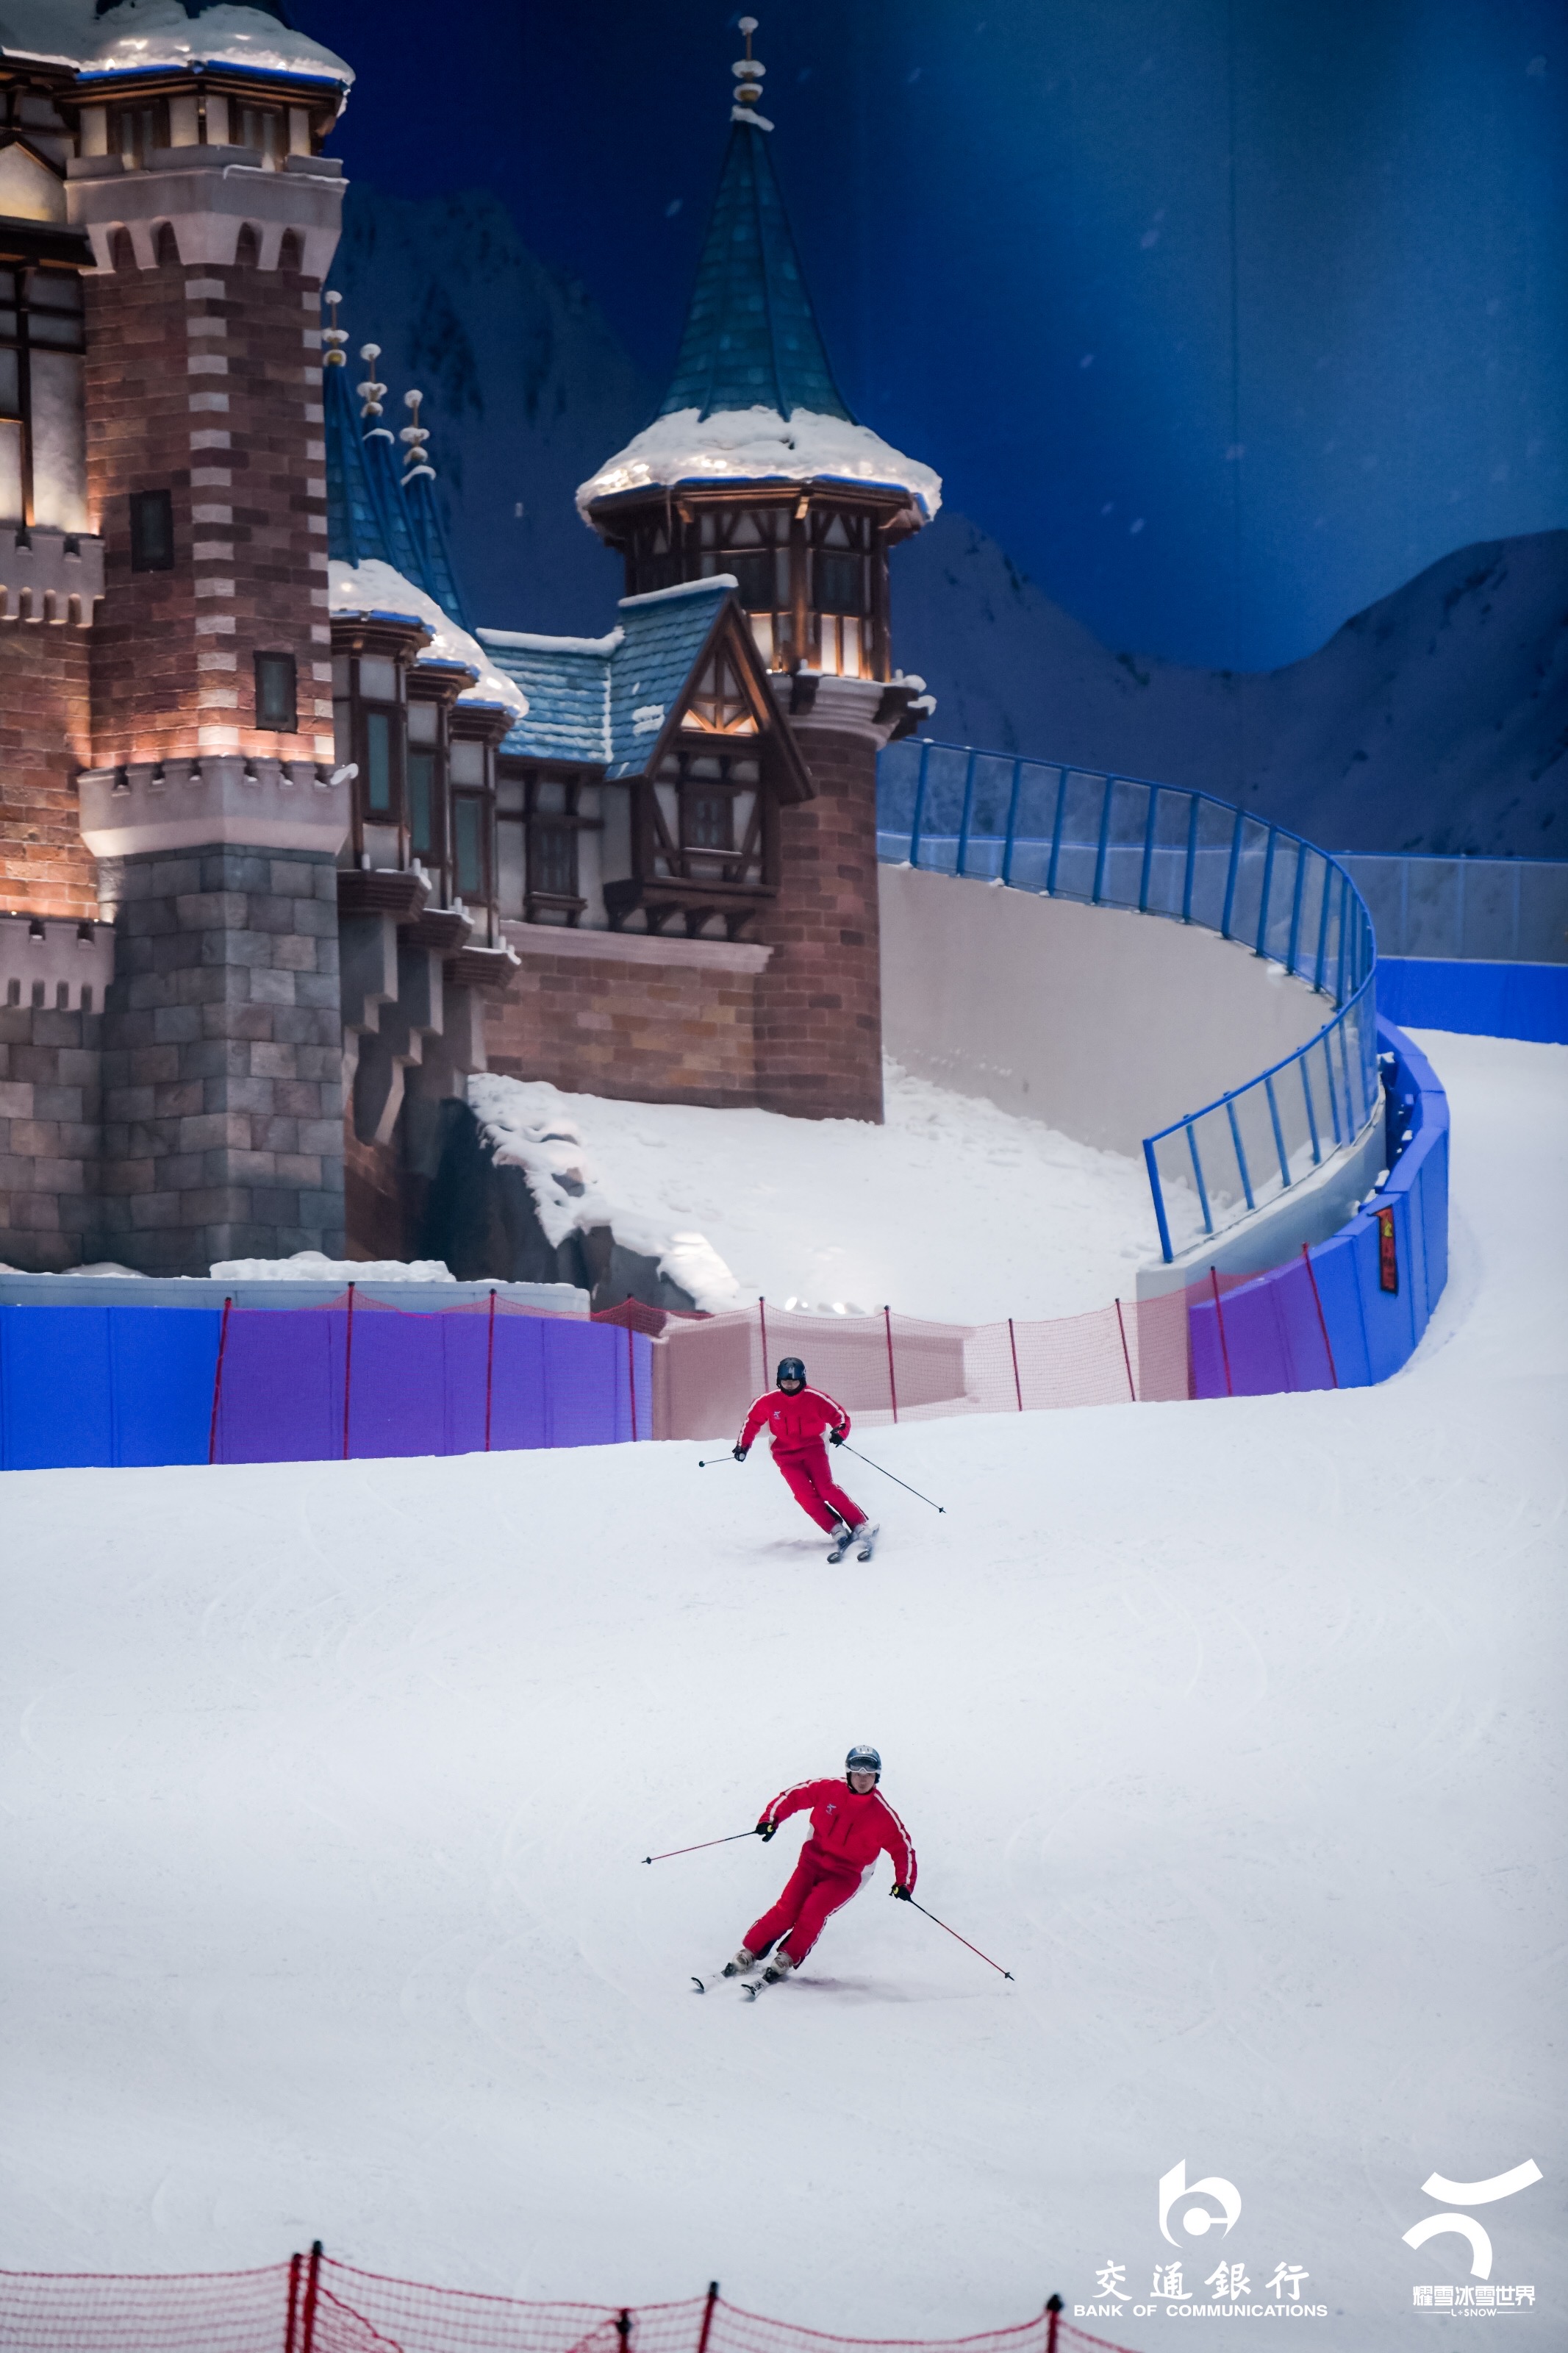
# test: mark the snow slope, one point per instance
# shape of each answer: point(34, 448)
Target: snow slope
point(952, 1209)
point(1234, 1730)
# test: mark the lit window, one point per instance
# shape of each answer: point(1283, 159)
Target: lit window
point(40, 377)
point(378, 763)
point(469, 845)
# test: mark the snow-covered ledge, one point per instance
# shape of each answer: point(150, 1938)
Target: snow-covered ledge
point(635, 947)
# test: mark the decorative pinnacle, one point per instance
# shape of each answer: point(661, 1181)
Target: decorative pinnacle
point(333, 336)
point(748, 70)
point(413, 436)
point(371, 393)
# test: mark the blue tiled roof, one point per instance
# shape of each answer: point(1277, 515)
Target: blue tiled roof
point(603, 700)
point(752, 338)
point(370, 514)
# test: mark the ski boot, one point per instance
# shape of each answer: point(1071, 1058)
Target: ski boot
point(741, 1964)
point(843, 1537)
point(777, 1969)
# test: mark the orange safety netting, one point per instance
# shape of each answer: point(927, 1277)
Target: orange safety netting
point(320, 2305)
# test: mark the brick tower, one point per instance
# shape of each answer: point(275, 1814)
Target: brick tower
point(189, 684)
point(754, 467)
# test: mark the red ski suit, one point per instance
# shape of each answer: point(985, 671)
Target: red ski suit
point(796, 1424)
point(848, 1831)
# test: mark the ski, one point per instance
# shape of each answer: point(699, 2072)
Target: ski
point(841, 1544)
point(865, 1541)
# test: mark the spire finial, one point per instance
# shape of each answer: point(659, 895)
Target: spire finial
point(371, 393)
point(748, 72)
point(413, 436)
point(333, 336)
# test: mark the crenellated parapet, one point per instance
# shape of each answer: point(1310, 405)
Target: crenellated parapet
point(54, 576)
point(253, 802)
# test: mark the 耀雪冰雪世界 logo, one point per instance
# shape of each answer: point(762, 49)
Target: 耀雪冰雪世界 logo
point(1480, 2292)
point(1226, 2293)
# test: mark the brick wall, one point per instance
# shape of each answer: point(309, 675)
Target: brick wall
point(820, 1006)
point(49, 1072)
point(45, 737)
point(206, 382)
point(643, 1032)
point(222, 1059)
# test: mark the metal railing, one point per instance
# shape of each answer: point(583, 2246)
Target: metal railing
point(1485, 910)
point(1161, 849)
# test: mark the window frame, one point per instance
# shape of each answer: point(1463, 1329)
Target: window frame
point(21, 339)
point(276, 726)
point(141, 503)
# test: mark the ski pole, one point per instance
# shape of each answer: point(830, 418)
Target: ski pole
point(714, 1462)
point(963, 1940)
point(698, 1847)
point(893, 1476)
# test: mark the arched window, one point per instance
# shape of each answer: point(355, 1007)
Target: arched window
point(121, 252)
point(166, 247)
point(247, 251)
point(291, 252)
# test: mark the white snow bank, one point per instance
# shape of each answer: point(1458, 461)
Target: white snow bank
point(309, 1266)
point(377, 588)
point(758, 445)
point(952, 1209)
point(1234, 1730)
point(143, 33)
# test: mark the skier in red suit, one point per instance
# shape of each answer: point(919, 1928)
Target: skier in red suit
point(796, 1416)
point(851, 1824)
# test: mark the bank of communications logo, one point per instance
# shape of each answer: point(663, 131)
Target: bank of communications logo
point(1198, 2220)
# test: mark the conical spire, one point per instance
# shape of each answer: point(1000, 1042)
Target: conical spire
point(751, 340)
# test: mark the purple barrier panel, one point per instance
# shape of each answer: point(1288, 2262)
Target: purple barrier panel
point(1206, 1353)
point(1274, 1336)
point(418, 1382)
point(518, 1419)
point(585, 1384)
point(282, 1397)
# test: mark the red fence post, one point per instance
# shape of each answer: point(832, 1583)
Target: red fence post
point(348, 1369)
point(489, 1367)
point(217, 1382)
point(1220, 1319)
point(289, 2345)
point(624, 2330)
point(762, 1314)
point(1018, 1384)
point(1053, 2319)
point(1126, 1359)
point(312, 2285)
point(892, 1385)
point(710, 2300)
point(1322, 1319)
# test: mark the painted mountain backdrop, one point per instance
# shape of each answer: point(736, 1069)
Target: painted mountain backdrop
point(1436, 720)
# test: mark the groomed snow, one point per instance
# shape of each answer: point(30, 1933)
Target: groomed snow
point(1234, 1730)
point(952, 1209)
point(758, 445)
point(377, 588)
point(313, 1266)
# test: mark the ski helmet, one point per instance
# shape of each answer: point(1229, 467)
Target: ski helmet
point(863, 1758)
point(791, 1369)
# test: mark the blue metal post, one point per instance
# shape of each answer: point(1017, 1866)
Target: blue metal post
point(1056, 831)
point(1231, 875)
point(1279, 1132)
point(968, 811)
point(1192, 860)
point(1296, 907)
point(1156, 1187)
point(1107, 796)
point(1323, 923)
point(1012, 820)
point(1303, 1064)
point(920, 805)
point(1339, 1137)
point(1262, 948)
point(1153, 792)
point(1198, 1176)
point(1340, 966)
point(1240, 1154)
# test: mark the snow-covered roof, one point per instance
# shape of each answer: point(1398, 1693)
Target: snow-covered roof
point(376, 588)
point(140, 34)
point(602, 701)
point(759, 445)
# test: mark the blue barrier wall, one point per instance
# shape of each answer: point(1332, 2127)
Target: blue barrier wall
point(81, 1387)
point(1481, 1000)
point(1271, 1339)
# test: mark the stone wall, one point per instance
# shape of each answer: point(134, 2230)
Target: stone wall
point(222, 1059)
point(819, 1019)
point(49, 1079)
point(618, 1014)
point(44, 735)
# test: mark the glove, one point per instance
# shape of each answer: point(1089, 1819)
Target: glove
point(837, 1437)
point(903, 1894)
point(765, 1830)
point(739, 1452)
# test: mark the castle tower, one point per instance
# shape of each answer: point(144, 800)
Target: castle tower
point(754, 467)
point(195, 221)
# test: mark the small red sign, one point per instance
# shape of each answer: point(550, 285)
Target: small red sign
point(1387, 1252)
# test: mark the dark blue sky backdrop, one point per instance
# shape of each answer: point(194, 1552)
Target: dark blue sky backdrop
point(1212, 410)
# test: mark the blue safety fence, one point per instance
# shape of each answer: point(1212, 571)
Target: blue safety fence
point(1468, 910)
point(1350, 1311)
point(1163, 849)
point(119, 1386)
